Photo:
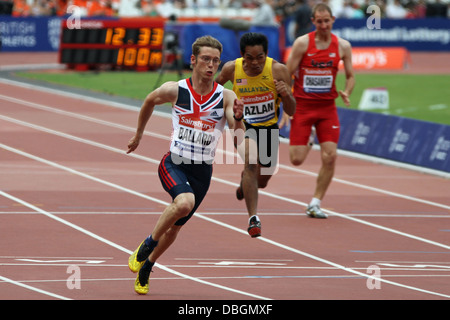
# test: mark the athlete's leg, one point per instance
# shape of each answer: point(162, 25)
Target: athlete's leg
point(299, 147)
point(249, 181)
point(328, 151)
point(298, 153)
point(181, 206)
point(328, 131)
point(165, 241)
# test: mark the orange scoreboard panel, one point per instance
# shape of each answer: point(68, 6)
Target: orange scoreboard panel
point(134, 43)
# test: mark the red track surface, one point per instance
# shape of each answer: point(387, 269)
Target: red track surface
point(70, 196)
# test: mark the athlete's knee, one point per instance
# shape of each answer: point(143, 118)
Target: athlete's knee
point(329, 158)
point(297, 154)
point(184, 203)
point(297, 159)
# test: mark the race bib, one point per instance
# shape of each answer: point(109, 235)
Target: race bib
point(318, 81)
point(259, 108)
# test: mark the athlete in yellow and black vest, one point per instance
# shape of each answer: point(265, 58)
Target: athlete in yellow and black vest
point(261, 83)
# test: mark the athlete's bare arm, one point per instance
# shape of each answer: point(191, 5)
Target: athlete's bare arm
point(227, 73)
point(298, 50)
point(345, 51)
point(282, 81)
point(167, 93)
point(233, 106)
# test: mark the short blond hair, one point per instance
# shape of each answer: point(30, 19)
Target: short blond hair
point(206, 41)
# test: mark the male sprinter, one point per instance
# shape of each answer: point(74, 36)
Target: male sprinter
point(261, 83)
point(200, 108)
point(314, 61)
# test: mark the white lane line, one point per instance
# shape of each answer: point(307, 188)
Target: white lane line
point(227, 213)
point(23, 285)
point(30, 156)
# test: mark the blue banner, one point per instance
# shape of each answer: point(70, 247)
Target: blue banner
point(420, 143)
point(415, 142)
point(414, 34)
point(30, 34)
point(42, 34)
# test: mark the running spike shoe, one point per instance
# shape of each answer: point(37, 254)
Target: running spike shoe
point(254, 228)
point(316, 212)
point(138, 257)
point(141, 284)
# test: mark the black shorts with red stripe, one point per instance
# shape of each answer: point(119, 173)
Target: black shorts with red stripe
point(181, 176)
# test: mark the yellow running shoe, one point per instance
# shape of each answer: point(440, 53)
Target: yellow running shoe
point(133, 263)
point(142, 279)
point(139, 288)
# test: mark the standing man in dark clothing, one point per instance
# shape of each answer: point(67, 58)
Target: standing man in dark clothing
point(302, 17)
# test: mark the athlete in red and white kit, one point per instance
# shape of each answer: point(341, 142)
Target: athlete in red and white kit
point(314, 62)
point(200, 108)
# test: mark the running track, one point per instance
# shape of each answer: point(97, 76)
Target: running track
point(73, 206)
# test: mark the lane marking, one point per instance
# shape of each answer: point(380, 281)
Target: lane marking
point(241, 277)
point(274, 243)
point(66, 261)
point(228, 213)
point(23, 285)
point(383, 267)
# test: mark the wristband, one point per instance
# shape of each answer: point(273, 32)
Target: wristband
point(238, 119)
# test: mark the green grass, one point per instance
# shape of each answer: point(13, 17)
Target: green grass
point(422, 97)
point(134, 85)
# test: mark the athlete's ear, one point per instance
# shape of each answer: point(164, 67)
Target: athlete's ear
point(193, 61)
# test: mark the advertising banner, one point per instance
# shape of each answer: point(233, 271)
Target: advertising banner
point(410, 141)
point(29, 34)
point(381, 58)
point(395, 138)
point(413, 34)
point(369, 58)
point(42, 34)
point(432, 34)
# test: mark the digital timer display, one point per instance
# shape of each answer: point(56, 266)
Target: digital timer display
point(123, 43)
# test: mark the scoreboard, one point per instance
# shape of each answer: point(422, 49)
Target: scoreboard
point(120, 44)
